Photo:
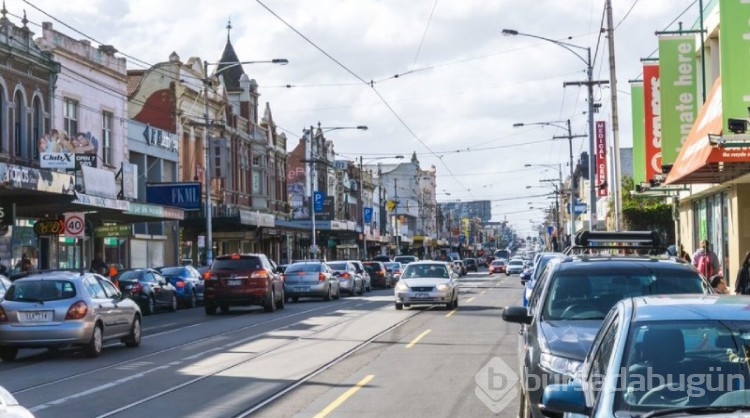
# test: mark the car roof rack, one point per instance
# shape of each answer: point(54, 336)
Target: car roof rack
point(640, 242)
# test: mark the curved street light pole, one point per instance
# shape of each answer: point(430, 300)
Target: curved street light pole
point(207, 148)
point(589, 83)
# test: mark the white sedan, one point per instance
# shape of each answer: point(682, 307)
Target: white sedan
point(427, 283)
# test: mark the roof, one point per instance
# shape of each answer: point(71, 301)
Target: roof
point(233, 71)
point(690, 308)
point(624, 263)
point(134, 80)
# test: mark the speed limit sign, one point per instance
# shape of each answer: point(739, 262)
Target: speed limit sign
point(74, 224)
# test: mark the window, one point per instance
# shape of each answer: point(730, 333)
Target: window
point(94, 288)
point(70, 115)
point(107, 119)
point(257, 183)
point(19, 141)
point(37, 129)
point(601, 358)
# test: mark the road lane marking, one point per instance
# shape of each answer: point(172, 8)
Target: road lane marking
point(483, 292)
point(470, 299)
point(346, 395)
point(416, 340)
point(449, 314)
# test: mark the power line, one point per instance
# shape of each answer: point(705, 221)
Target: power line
point(424, 35)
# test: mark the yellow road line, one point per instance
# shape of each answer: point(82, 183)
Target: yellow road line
point(470, 299)
point(449, 314)
point(416, 340)
point(346, 395)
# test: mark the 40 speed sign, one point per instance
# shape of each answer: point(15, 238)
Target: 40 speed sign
point(74, 224)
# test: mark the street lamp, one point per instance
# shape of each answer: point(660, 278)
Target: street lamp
point(361, 203)
point(590, 87)
point(314, 177)
point(207, 148)
point(570, 137)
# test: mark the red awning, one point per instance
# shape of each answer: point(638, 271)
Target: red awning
point(704, 161)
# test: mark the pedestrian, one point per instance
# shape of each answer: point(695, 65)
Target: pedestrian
point(742, 283)
point(706, 260)
point(98, 265)
point(684, 254)
point(717, 283)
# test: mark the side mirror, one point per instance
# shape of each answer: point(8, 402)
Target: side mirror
point(567, 398)
point(517, 314)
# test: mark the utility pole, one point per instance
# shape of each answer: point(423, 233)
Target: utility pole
point(616, 179)
point(572, 198)
point(395, 217)
point(361, 206)
point(313, 187)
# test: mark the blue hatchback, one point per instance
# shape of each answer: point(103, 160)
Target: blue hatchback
point(187, 282)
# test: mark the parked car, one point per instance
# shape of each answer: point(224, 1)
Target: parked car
point(382, 258)
point(242, 280)
point(427, 283)
point(471, 264)
point(188, 283)
point(311, 279)
point(460, 267)
point(395, 268)
point(149, 289)
point(350, 282)
point(362, 271)
point(514, 266)
point(482, 262)
point(62, 309)
point(405, 259)
point(378, 274)
point(569, 303)
point(4, 285)
point(681, 356)
point(497, 266)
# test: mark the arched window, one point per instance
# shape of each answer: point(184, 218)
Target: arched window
point(20, 143)
point(37, 127)
point(4, 146)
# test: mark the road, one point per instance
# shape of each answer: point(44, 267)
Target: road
point(353, 357)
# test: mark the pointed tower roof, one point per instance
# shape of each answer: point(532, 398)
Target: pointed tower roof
point(414, 157)
point(229, 59)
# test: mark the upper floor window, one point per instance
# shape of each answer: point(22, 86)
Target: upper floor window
point(107, 121)
point(20, 144)
point(70, 114)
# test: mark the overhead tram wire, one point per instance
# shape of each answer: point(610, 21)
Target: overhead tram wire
point(424, 35)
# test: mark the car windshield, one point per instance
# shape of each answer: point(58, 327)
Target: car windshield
point(425, 271)
point(130, 276)
point(498, 263)
point(393, 266)
point(237, 264)
point(590, 295)
point(303, 267)
point(704, 361)
point(516, 262)
point(337, 266)
point(173, 271)
point(41, 290)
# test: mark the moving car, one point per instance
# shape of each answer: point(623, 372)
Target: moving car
point(378, 274)
point(427, 282)
point(350, 282)
point(313, 279)
point(242, 280)
point(395, 268)
point(497, 266)
point(149, 289)
point(514, 266)
point(460, 267)
point(405, 259)
point(569, 303)
point(471, 264)
point(187, 282)
point(681, 355)
point(62, 309)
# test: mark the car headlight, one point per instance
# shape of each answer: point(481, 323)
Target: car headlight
point(559, 365)
point(442, 287)
point(402, 286)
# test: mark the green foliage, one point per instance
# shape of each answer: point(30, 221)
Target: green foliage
point(645, 214)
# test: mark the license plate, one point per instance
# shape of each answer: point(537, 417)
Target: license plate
point(35, 316)
point(234, 282)
point(421, 295)
point(303, 288)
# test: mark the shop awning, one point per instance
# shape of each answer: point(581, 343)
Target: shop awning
point(704, 158)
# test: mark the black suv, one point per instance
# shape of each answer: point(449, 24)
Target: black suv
point(471, 264)
point(242, 280)
point(574, 294)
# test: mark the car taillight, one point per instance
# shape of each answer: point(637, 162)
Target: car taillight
point(179, 285)
point(77, 310)
point(209, 276)
point(261, 274)
point(3, 316)
point(321, 277)
point(137, 288)
point(346, 276)
point(380, 273)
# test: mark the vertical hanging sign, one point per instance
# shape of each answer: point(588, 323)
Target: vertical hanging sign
point(734, 47)
point(639, 138)
point(601, 158)
point(652, 119)
point(678, 76)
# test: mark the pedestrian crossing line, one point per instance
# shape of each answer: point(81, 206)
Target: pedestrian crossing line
point(344, 396)
point(449, 314)
point(470, 299)
point(416, 340)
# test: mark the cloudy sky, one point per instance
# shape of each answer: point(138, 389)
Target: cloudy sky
point(435, 77)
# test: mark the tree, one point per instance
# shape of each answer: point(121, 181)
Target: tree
point(643, 213)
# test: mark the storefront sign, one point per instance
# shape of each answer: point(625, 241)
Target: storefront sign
point(65, 160)
point(256, 218)
point(99, 182)
point(113, 231)
point(678, 85)
point(129, 181)
point(639, 140)
point(49, 227)
point(101, 202)
point(601, 158)
point(186, 196)
point(19, 177)
point(652, 120)
point(734, 53)
point(173, 213)
point(145, 210)
point(85, 160)
point(160, 138)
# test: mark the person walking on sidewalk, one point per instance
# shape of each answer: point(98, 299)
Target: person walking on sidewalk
point(706, 260)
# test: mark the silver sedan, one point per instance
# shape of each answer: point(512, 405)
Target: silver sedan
point(427, 283)
point(60, 309)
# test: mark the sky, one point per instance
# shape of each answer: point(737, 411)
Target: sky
point(435, 77)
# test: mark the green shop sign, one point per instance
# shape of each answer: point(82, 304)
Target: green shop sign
point(112, 231)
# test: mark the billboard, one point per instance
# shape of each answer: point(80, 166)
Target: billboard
point(652, 119)
point(601, 158)
point(186, 196)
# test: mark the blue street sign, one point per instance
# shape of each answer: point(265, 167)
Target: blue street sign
point(368, 215)
point(550, 230)
point(318, 199)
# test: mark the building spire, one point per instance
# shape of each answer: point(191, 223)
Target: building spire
point(229, 27)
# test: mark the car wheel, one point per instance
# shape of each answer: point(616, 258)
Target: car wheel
point(327, 297)
point(295, 299)
point(455, 303)
point(149, 307)
point(224, 309)
point(361, 289)
point(270, 305)
point(210, 309)
point(282, 300)
point(173, 305)
point(94, 346)
point(192, 302)
point(399, 306)
point(134, 339)
point(8, 353)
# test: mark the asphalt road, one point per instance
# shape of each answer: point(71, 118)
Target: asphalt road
point(353, 357)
